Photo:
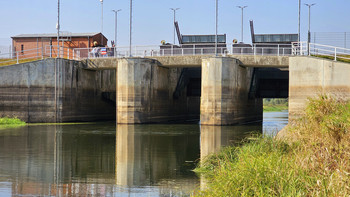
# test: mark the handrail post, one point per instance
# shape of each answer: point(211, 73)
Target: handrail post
point(309, 47)
point(182, 51)
point(201, 51)
point(42, 53)
point(17, 56)
point(278, 50)
point(194, 49)
point(172, 50)
point(335, 53)
point(254, 49)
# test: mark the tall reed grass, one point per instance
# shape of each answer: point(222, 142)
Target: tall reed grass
point(313, 159)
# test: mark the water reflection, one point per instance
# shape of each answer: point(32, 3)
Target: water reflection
point(108, 160)
point(160, 156)
point(215, 137)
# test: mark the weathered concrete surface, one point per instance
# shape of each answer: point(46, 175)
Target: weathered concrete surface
point(195, 61)
point(225, 89)
point(27, 91)
point(246, 60)
point(101, 63)
point(309, 77)
point(145, 93)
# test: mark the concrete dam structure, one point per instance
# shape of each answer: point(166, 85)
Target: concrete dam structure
point(217, 90)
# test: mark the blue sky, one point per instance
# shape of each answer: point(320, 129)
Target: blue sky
point(153, 20)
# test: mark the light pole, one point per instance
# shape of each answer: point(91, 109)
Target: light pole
point(242, 7)
point(101, 21)
point(58, 28)
point(216, 28)
point(174, 9)
point(299, 22)
point(116, 24)
point(308, 32)
point(130, 30)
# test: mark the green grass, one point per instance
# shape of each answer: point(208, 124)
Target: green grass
point(11, 121)
point(340, 59)
point(7, 62)
point(275, 105)
point(312, 160)
point(274, 108)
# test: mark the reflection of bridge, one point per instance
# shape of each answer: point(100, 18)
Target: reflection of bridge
point(221, 90)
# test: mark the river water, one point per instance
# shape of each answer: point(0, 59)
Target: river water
point(104, 159)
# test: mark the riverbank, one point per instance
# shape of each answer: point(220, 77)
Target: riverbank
point(11, 121)
point(275, 105)
point(311, 159)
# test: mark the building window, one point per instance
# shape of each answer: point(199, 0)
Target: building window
point(22, 48)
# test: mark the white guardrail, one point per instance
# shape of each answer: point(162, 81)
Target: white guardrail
point(184, 50)
point(294, 49)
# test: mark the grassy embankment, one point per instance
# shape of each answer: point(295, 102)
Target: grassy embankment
point(340, 58)
point(6, 62)
point(11, 121)
point(312, 158)
point(275, 105)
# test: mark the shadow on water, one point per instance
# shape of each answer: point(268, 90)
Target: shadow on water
point(108, 160)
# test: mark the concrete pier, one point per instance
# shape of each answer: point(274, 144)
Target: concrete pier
point(224, 96)
point(32, 92)
point(310, 76)
point(145, 93)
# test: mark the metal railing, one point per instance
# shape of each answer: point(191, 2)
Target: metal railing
point(36, 54)
point(183, 50)
point(320, 50)
point(294, 49)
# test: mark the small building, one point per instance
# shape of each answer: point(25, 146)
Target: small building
point(45, 45)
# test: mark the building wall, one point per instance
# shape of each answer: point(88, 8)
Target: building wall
point(40, 47)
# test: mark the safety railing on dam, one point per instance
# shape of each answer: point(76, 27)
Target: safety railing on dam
point(294, 49)
point(183, 50)
point(320, 50)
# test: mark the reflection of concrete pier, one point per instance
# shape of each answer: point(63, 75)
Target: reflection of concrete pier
point(148, 158)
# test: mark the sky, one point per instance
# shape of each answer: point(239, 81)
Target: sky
point(153, 20)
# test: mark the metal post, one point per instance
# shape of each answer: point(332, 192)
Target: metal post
point(308, 32)
point(299, 21)
point(242, 7)
point(130, 28)
point(115, 31)
point(174, 9)
point(216, 28)
point(58, 30)
point(335, 53)
point(17, 56)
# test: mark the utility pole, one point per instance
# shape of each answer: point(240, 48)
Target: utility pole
point(116, 24)
point(58, 29)
point(308, 32)
point(130, 30)
point(299, 21)
point(242, 7)
point(174, 9)
point(101, 22)
point(216, 28)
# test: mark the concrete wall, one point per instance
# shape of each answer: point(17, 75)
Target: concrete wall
point(309, 77)
point(225, 89)
point(145, 93)
point(246, 60)
point(27, 91)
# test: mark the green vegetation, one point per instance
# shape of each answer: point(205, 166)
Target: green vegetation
point(274, 105)
point(340, 59)
point(312, 158)
point(11, 121)
point(7, 62)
